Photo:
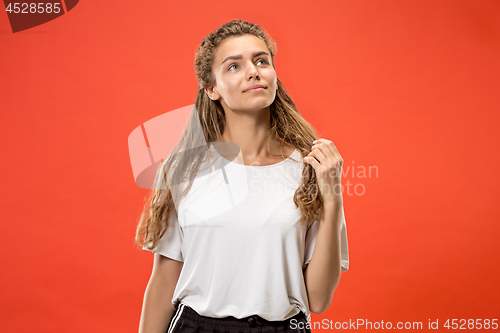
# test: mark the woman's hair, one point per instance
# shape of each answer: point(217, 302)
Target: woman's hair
point(206, 125)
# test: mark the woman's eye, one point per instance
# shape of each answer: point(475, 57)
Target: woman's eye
point(263, 60)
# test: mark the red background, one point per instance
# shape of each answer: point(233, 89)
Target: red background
point(408, 87)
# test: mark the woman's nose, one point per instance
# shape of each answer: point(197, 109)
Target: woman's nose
point(253, 72)
point(255, 75)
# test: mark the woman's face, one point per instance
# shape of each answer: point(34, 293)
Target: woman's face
point(239, 63)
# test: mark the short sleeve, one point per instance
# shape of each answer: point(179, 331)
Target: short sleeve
point(311, 241)
point(171, 242)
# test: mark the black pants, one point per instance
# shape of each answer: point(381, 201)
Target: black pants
point(186, 320)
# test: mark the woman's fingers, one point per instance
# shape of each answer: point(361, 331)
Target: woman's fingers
point(328, 150)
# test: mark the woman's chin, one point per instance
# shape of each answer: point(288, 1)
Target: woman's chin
point(258, 105)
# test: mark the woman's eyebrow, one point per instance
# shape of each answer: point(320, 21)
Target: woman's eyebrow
point(256, 54)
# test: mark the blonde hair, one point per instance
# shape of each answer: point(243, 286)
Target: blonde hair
point(287, 126)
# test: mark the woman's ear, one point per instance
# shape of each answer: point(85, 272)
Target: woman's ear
point(212, 93)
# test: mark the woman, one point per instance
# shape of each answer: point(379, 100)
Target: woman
point(255, 238)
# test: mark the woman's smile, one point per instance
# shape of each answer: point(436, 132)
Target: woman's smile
point(255, 89)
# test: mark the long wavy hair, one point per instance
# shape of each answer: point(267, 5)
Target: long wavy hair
point(206, 125)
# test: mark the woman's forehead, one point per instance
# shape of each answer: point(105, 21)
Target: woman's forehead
point(239, 45)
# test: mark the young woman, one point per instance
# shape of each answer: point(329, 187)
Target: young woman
point(255, 237)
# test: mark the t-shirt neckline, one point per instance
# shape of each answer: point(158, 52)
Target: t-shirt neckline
point(293, 154)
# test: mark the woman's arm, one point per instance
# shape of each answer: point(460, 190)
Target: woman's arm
point(322, 275)
point(157, 309)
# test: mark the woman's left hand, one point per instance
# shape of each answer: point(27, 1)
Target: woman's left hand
point(327, 163)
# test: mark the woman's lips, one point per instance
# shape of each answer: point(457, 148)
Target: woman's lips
point(255, 89)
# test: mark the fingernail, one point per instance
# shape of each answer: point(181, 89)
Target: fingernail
point(314, 141)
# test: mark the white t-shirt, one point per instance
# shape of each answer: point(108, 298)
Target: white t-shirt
point(238, 233)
